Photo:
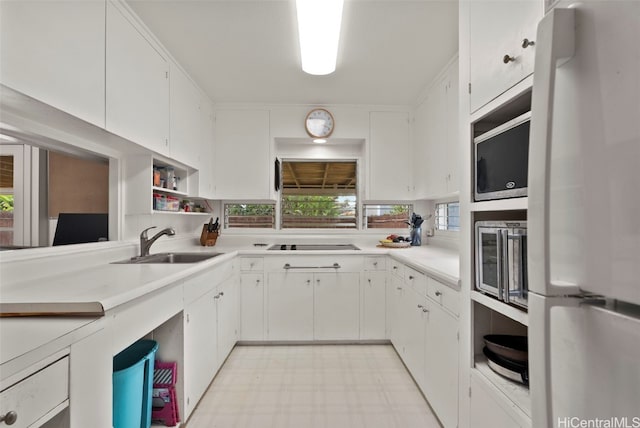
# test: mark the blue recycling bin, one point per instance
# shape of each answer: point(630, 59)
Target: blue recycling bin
point(133, 385)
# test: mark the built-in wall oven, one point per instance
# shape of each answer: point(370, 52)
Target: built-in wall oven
point(501, 260)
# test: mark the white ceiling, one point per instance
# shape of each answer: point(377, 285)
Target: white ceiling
point(246, 51)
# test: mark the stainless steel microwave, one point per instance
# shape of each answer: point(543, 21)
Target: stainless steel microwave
point(501, 260)
point(501, 160)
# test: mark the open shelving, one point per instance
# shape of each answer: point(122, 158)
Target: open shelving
point(140, 191)
point(517, 393)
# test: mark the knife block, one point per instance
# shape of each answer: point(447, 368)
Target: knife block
point(208, 239)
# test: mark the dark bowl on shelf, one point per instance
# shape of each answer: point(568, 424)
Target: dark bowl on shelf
point(514, 348)
point(512, 370)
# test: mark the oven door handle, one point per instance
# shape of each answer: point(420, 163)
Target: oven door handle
point(333, 266)
point(519, 262)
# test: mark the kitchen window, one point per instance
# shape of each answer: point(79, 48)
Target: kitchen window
point(319, 195)
point(249, 216)
point(448, 216)
point(386, 216)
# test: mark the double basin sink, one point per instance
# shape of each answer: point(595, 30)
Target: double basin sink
point(170, 258)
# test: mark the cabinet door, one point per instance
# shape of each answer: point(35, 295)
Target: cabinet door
point(200, 348)
point(336, 306)
point(54, 52)
point(242, 155)
point(251, 306)
point(206, 166)
point(453, 127)
point(372, 318)
point(390, 168)
point(228, 309)
point(436, 138)
point(290, 306)
point(413, 321)
point(137, 94)
point(441, 368)
point(395, 291)
point(185, 126)
point(497, 29)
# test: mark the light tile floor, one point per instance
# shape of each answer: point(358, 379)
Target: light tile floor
point(337, 386)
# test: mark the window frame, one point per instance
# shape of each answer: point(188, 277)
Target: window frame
point(445, 232)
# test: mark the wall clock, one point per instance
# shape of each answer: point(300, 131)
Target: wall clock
point(319, 123)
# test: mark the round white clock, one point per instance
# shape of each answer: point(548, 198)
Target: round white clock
point(319, 123)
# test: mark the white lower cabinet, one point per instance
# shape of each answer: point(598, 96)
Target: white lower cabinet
point(228, 309)
point(210, 330)
point(423, 327)
point(335, 306)
point(441, 364)
point(290, 306)
point(372, 308)
point(251, 306)
point(200, 348)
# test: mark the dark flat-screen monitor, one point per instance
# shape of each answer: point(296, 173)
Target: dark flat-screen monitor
point(76, 228)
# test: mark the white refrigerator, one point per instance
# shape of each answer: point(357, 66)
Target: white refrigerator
point(584, 217)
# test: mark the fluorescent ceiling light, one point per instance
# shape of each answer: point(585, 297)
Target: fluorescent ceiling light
point(319, 31)
point(320, 140)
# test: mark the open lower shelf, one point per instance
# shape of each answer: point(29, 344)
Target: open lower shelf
point(513, 391)
point(507, 310)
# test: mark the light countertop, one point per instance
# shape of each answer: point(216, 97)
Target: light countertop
point(102, 286)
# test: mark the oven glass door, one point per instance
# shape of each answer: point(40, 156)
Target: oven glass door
point(489, 261)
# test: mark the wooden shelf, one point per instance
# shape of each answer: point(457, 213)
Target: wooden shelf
point(496, 305)
point(170, 191)
point(511, 391)
point(501, 205)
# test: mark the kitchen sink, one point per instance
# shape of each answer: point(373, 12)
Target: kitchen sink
point(163, 258)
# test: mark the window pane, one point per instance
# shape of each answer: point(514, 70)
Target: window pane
point(448, 216)
point(333, 212)
point(249, 216)
point(386, 216)
point(319, 194)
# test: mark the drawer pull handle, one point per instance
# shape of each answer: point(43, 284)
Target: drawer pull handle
point(411, 277)
point(425, 310)
point(420, 307)
point(10, 418)
point(375, 263)
point(333, 266)
point(398, 288)
point(507, 59)
point(438, 293)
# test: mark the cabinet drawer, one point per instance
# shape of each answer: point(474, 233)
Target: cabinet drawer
point(375, 263)
point(444, 295)
point(417, 280)
point(396, 268)
point(251, 264)
point(34, 397)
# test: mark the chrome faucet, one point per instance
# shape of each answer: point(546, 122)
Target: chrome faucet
point(146, 242)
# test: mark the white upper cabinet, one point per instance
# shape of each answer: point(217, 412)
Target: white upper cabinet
point(186, 116)
point(436, 160)
point(389, 157)
point(137, 91)
point(499, 53)
point(54, 52)
point(242, 154)
point(206, 165)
